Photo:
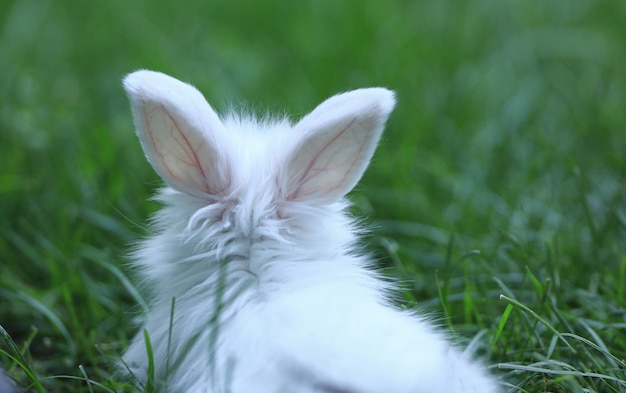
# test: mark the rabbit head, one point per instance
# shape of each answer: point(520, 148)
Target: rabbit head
point(235, 182)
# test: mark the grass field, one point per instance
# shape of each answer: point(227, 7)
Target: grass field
point(498, 191)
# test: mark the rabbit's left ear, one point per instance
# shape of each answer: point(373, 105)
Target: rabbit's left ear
point(180, 133)
point(340, 137)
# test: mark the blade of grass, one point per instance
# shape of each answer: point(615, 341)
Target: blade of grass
point(537, 317)
point(151, 376)
point(17, 357)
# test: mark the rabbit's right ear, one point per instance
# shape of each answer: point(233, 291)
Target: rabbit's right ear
point(338, 140)
point(177, 128)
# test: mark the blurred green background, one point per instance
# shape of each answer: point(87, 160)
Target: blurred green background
point(504, 156)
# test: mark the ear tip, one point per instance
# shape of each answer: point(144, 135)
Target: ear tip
point(133, 81)
point(387, 99)
point(147, 81)
point(383, 98)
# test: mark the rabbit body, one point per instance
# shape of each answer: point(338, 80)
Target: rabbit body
point(258, 286)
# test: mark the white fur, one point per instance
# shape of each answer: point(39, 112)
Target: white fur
point(253, 243)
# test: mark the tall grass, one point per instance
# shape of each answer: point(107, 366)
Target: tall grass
point(498, 193)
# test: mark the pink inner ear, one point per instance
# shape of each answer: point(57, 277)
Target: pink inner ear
point(313, 169)
point(181, 153)
point(190, 157)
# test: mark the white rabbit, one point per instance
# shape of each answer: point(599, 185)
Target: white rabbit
point(256, 248)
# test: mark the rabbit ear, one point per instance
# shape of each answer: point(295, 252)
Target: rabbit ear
point(177, 129)
point(340, 137)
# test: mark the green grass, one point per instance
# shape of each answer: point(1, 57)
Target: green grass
point(499, 190)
